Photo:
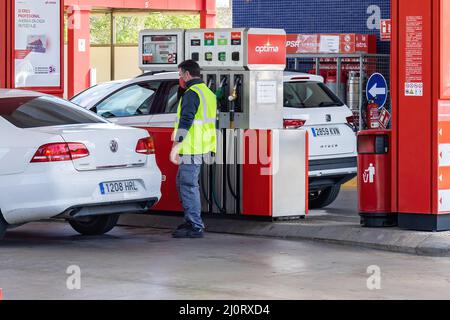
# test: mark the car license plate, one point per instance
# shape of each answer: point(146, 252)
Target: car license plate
point(325, 132)
point(119, 187)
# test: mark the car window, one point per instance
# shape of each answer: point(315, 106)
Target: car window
point(133, 100)
point(167, 98)
point(92, 94)
point(309, 95)
point(172, 98)
point(44, 111)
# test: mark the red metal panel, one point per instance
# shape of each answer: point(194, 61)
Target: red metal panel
point(414, 112)
point(163, 145)
point(394, 98)
point(189, 5)
point(3, 50)
point(436, 86)
point(256, 187)
point(208, 14)
point(445, 49)
point(9, 44)
point(78, 65)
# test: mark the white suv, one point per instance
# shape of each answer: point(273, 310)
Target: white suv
point(332, 139)
point(152, 100)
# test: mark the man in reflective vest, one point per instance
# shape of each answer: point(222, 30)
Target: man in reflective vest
point(194, 140)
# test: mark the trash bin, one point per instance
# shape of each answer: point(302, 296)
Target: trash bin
point(374, 179)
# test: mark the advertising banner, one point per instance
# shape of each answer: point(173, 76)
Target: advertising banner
point(37, 43)
point(266, 49)
point(302, 43)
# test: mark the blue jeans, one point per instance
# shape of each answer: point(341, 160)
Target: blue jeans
point(189, 192)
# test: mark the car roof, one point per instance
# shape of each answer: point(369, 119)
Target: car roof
point(15, 93)
point(287, 76)
point(156, 76)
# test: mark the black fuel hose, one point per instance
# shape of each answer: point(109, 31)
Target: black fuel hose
point(202, 188)
point(233, 193)
point(230, 186)
point(213, 189)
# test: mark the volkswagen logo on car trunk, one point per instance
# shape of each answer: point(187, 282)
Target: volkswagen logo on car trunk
point(114, 146)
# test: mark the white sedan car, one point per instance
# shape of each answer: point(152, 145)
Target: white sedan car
point(59, 160)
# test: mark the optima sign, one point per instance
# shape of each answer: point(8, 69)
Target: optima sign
point(266, 49)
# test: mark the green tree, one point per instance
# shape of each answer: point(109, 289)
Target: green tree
point(128, 27)
point(100, 28)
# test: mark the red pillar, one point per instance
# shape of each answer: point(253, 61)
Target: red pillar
point(3, 45)
point(78, 55)
point(208, 14)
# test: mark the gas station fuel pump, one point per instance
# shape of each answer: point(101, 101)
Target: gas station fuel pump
point(260, 168)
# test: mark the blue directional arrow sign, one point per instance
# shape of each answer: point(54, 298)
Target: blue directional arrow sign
point(377, 89)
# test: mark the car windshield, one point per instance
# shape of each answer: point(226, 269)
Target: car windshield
point(309, 95)
point(85, 98)
point(44, 111)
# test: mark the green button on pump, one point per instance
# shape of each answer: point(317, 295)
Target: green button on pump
point(222, 56)
point(208, 56)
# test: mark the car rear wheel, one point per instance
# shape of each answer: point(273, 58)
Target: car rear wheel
point(325, 197)
point(97, 225)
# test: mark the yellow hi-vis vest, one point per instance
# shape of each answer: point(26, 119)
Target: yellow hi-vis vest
point(201, 137)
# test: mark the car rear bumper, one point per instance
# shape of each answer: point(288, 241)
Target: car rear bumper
point(118, 207)
point(330, 167)
point(47, 190)
point(329, 172)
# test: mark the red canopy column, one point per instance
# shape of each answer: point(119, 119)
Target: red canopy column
point(78, 49)
point(4, 57)
point(208, 14)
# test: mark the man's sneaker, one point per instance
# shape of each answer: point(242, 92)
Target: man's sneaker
point(188, 233)
point(185, 225)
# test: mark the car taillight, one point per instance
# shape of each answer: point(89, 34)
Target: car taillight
point(351, 120)
point(146, 146)
point(78, 150)
point(53, 152)
point(293, 123)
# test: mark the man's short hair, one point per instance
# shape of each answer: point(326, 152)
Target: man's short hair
point(191, 66)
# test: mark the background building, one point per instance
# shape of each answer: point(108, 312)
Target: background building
point(314, 16)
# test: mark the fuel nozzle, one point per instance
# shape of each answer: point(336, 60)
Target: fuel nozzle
point(232, 98)
point(219, 91)
point(210, 83)
point(234, 93)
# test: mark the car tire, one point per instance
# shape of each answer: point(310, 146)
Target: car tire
point(323, 198)
point(96, 225)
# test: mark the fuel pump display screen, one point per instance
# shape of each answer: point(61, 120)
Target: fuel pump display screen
point(159, 49)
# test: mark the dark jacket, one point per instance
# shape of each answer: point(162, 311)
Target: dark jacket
point(189, 107)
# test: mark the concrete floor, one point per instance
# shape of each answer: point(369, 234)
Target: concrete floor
point(141, 263)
